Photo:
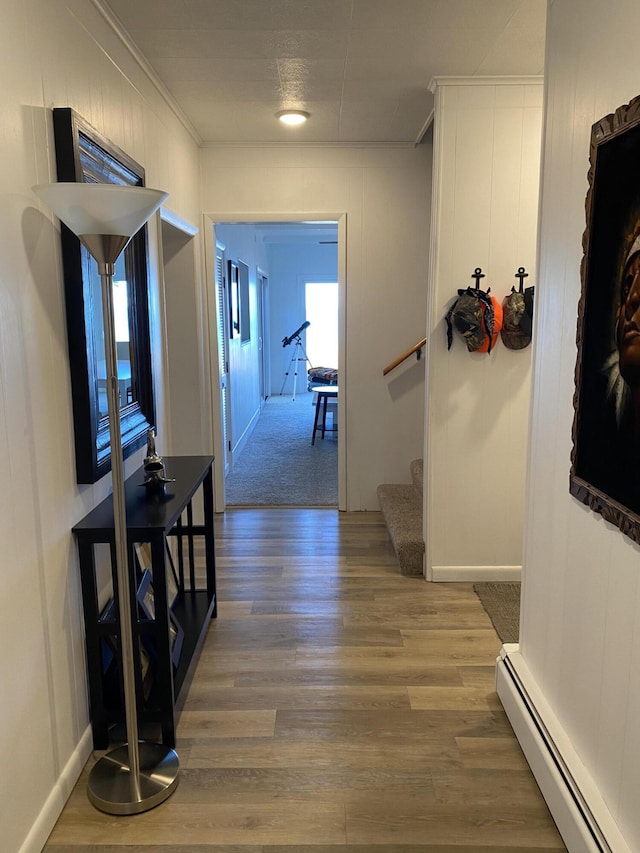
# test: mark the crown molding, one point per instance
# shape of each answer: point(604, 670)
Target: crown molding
point(522, 80)
point(333, 144)
point(425, 127)
point(133, 49)
point(178, 222)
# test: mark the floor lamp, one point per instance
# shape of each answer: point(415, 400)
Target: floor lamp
point(139, 775)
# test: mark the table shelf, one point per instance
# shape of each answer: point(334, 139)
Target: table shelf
point(158, 625)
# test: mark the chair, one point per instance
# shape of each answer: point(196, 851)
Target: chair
point(324, 394)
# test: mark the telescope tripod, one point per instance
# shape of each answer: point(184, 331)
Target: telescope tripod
point(295, 358)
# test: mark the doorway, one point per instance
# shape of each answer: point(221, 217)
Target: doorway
point(184, 350)
point(274, 314)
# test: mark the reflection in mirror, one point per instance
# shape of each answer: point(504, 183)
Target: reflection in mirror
point(123, 339)
point(82, 154)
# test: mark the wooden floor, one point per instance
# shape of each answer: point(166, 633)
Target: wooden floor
point(336, 706)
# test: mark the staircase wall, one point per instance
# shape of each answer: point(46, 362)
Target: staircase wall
point(487, 134)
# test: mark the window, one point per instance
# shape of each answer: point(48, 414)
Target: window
point(321, 307)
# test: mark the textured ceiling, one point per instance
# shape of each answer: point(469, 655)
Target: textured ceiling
point(360, 67)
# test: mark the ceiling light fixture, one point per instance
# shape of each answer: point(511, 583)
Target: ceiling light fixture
point(292, 117)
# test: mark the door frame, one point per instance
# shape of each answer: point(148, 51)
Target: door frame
point(221, 288)
point(179, 264)
point(210, 219)
point(262, 292)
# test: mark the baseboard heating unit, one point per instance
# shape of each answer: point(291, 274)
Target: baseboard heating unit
point(573, 798)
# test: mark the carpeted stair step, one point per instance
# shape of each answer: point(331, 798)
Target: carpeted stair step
point(401, 506)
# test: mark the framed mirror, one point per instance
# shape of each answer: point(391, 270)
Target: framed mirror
point(82, 154)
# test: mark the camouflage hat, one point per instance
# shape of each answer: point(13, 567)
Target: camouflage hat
point(473, 315)
point(517, 323)
point(466, 317)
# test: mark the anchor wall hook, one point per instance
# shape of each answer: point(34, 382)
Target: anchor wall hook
point(521, 275)
point(477, 274)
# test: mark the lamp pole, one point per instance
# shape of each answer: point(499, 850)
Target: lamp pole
point(106, 271)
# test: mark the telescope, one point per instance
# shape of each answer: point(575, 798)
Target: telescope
point(296, 334)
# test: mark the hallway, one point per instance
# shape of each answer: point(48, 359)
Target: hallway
point(278, 466)
point(336, 706)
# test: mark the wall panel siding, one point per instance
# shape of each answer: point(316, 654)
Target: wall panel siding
point(242, 243)
point(487, 154)
point(55, 53)
point(580, 633)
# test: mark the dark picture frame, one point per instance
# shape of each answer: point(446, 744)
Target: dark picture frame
point(110, 655)
point(605, 458)
point(107, 649)
point(176, 638)
point(146, 602)
point(173, 582)
point(244, 305)
point(145, 596)
point(234, 300)
point(143, 554)
point(84, 155)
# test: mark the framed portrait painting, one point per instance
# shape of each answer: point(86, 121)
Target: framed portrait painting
point(605, 459)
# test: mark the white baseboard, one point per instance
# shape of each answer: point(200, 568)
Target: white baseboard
point(55, 802)
point(475, 574)
point(573, 798)
point(244, 438)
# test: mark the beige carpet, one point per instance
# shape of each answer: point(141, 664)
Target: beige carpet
point(501, 600)
point(279, 466)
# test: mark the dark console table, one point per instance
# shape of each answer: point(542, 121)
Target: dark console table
point(171, 602)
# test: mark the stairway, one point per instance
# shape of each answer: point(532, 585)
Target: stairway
point(401, 506)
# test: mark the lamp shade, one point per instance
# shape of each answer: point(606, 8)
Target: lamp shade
point(101, 209)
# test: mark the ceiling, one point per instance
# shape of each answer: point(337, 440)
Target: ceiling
point(360, 67)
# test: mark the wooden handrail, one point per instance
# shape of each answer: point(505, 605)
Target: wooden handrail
point(415, 348)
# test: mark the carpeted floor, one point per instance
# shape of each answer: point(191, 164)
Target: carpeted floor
point(278, 466)
point(501, 600)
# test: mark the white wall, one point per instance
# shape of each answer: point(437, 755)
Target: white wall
point(243, 243)
point(385, 195)
point(291, 265)
point(55, 53)
point(184, 351)
point(580, 631)
point(486, 175)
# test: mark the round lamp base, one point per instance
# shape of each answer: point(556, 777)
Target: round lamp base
point(110, 789)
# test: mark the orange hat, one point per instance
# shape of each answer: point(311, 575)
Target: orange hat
point(490, 338)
